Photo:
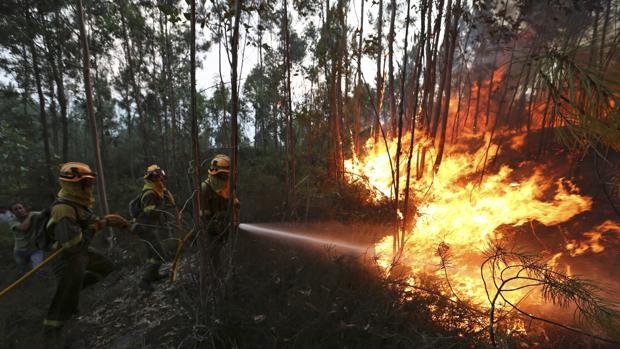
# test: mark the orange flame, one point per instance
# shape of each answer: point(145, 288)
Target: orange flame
point(458, 210)
point(595, 239)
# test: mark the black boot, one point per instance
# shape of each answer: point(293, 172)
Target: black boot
point(52, 337)
point(146, 285)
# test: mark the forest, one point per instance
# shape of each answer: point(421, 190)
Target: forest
point(338, 174)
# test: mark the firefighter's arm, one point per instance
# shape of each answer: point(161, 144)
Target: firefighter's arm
point(237, 211)
point(116, 221)
point(205, 209)
point(110, 220)
point(149, 204)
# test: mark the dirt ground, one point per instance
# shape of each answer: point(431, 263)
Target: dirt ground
point(273, 282)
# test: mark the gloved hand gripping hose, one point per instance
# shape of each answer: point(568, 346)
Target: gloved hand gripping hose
point(116, 221)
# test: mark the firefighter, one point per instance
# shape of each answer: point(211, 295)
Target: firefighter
point(154, 203)
point(215, 193)
point(72, 225)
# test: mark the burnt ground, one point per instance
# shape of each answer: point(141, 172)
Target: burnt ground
point(284, 294)
point(281, 294)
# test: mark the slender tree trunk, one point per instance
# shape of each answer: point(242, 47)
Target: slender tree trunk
point(340, 57)
point(543, 129)
point(204, 258)
point(490, 90)
point(26, 80)
point(58, 70)
point(290, 132)
point(164, 81)
point(415, 96)
point(42, 115)
point(171, 93)
point(130, 143)
point(444, 84)
point(477, 107)
point(91, 112)
point(593, 51)
point(50, 85)
point(400, 233)
point(433, 69)
point(379, 78)
point(468, 108)
point(358, 88)
point(53, 112)
point(460, 85)
point(234, 115)
point(132, 77)
point(99, 108)
point(452, 45)
point(391, 38)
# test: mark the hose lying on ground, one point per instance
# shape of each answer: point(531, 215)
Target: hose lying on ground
point(31, 272)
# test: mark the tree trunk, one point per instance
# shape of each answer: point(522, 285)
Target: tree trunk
point(400, 233)
point(91, 112)
point(448, 77)
point(477, 107)
point(444, 84)
point(391, 38)
point(290, 132)
point(130, 142)
point(379, 78)
point(171, 93)
point(134, 84)
point(165, 81)
point(234, 219)
point(53, 111)
point(58, 72)
point(204, 241)
point(358, 88)
point(490, 90)
point(42, 115)
point(415, 96)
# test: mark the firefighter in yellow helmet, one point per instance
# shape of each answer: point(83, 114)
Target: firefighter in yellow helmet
point(155, 201)
point(215, 193)
point(72, 225)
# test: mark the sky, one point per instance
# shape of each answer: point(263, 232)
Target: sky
point(208, 74)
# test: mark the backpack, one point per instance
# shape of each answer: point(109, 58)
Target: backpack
point(135, 205)
point(42, 236)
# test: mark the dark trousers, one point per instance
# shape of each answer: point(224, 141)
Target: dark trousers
point(74, 271)
point(154, 252)
point(27, 260)
point(215, 246)
point(217, 236)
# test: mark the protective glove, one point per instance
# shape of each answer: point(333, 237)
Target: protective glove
point(116, 221)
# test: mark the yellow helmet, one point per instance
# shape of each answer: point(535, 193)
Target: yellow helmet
point(75, 172)
point(220, 164)
point(154, 170)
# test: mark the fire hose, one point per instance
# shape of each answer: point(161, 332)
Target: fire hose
point(31, 272)
point(55, 254)
point(177, 256)
point(112, 219)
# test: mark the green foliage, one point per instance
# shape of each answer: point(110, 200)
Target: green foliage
point(21, 172)
point(505, 271)
point(585, 100)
